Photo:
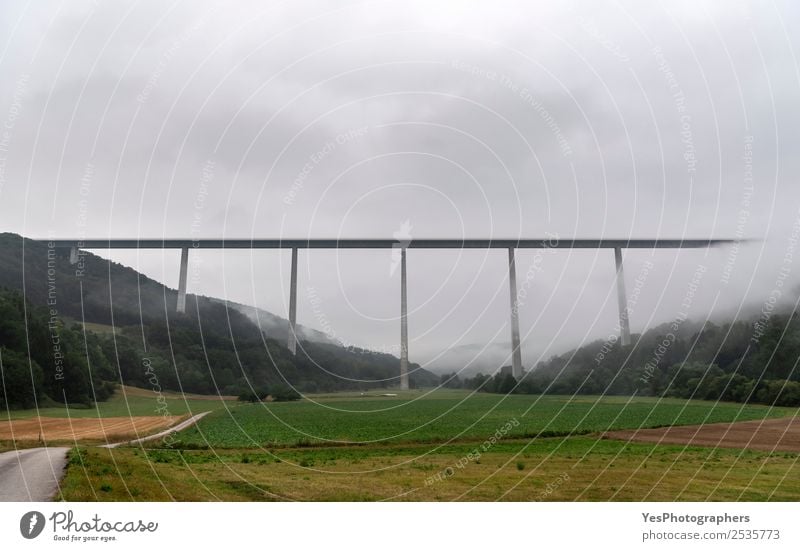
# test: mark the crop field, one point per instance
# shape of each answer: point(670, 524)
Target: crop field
point(55, 429)
point(448, 416)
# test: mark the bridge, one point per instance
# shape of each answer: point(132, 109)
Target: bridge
point(184, 245)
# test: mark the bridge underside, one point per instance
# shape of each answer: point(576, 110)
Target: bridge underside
point(184, 245)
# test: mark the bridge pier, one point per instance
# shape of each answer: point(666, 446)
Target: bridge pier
point(516, 353)
point(181, 307)
point(622, 300)
point(403, 322)
point(292, 344)
point(73, 255)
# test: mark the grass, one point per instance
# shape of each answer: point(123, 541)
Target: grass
point(446, 416)
point(11, 445)
point(553, 469)
point(129, 401)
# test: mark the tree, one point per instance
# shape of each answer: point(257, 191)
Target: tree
point(451, 380)
point(283, 393)
point(504, 384)
point(21, 380)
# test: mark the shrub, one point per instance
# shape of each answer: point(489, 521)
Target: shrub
point(252, 395)
point(283, 393)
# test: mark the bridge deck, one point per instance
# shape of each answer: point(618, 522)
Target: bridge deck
point(546, 243)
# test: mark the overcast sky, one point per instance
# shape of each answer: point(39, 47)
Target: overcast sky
point(431, 119)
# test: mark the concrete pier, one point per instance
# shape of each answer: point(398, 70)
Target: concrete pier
point(516, 353)
point(292, 344)
point(622, 300)
point(182, 280)
point(403, 322)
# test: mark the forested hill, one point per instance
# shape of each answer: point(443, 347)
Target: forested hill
point(212, 348)
point(48, 272)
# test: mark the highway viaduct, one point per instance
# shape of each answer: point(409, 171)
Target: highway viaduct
point(511, 245)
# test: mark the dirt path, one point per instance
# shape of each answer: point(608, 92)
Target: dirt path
point(180, 426)
point(770, 434)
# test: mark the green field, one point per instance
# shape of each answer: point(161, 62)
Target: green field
point(448, 415)
point(548, 469)
point(129, 402)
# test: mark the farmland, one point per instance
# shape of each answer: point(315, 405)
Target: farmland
point(129, 413)
point(129, 401)
point(449, 416)
point(548, 469)
point(446, 445)
point(109, 429)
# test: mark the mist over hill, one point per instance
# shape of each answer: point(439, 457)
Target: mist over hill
point(276, 326)
point(468, 360)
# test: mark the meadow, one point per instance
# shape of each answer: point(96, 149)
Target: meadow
point(580, 468)
point(445, 416)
